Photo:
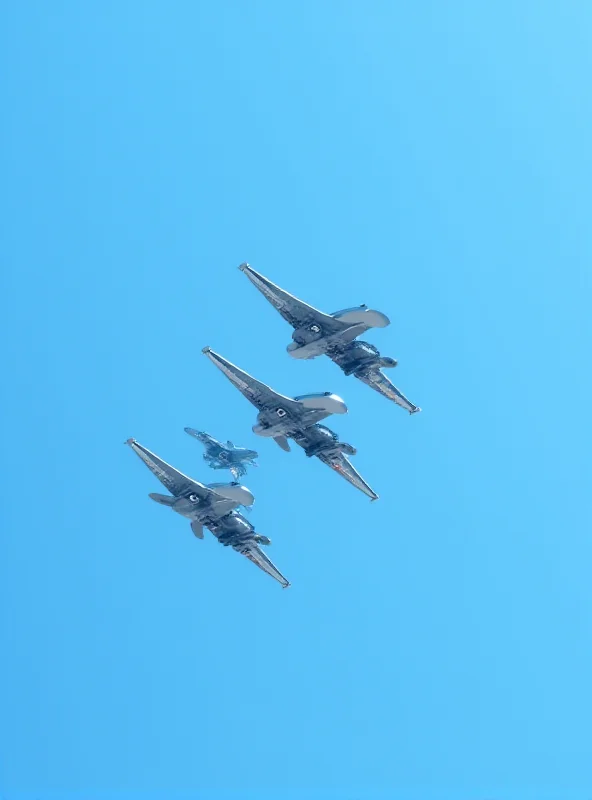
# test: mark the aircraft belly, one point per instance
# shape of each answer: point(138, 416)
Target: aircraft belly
point(321, 346)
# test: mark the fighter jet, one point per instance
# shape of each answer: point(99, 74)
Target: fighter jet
point(334, 335)
point(212, 506)
point(281, 418)
point(225, 456)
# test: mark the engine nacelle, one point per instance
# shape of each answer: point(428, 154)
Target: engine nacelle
point(362, 315)
point(310, 333)
point(388, 363)
point(362, 351)
point(326, 401)
point(324, 440)
point(330, 448)
point(305, 352)
point(234, 529)
point(233, 491)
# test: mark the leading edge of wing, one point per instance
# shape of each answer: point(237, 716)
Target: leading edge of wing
point(293, 310)
point(378, 381)
point(178, 484)
point(254, 553)
point(175, 481)
point(343, 466)
point(259, 394)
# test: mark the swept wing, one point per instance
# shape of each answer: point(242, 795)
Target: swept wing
point(256, 555)
point(378, 381)
point(343, 466)
point(177, 483)
point(293, 310)
point(259, 394)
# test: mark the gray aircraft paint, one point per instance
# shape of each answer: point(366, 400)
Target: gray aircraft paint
point(334, 335)
point(211, 506)
point(220, 455)
point(281, 418)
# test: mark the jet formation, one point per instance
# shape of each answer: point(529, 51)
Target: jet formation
point(215, 506)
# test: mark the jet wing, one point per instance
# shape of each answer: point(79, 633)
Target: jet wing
point(378, 381)
point(255, 554)
point(212, 445)
point(343, 466)
point(259, 394)
point(178, 484)
point(293, 310)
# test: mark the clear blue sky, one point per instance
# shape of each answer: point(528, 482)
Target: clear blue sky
point(430, 159)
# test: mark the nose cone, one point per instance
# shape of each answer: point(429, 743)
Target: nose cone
point(246, 453)
point(199, 435)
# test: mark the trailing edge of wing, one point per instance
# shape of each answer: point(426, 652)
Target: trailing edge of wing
point(378, 381)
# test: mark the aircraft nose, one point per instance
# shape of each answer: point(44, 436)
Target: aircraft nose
point(193, 432)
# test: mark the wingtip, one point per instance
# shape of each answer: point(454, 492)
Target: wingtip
point(374, 499)
point(130, 441)
point(244, 266)
point(206, 350)
point(415, 411)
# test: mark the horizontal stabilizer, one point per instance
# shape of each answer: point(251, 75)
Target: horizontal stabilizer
point(163, 499)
